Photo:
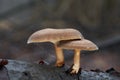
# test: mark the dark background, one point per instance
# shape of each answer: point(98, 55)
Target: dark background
point(97, 20)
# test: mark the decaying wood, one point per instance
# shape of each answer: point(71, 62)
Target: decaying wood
point(21, 70)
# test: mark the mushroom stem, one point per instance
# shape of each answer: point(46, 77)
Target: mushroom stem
point(76, 65)
point(59, 57)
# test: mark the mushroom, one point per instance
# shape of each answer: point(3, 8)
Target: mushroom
point(54, 36)
point(77, 46)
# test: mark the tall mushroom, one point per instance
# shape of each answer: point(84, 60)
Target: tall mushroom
point(77, 46)
point(54, 36)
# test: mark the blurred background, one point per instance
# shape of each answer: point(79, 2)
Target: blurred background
point(97, 20)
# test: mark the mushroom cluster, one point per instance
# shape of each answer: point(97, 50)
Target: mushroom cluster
point(64, 39)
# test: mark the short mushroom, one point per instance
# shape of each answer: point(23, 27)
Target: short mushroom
point(54, 36)
point(77, 45)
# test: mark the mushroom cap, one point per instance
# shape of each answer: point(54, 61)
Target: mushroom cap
point(54, 35)
point(83, 44)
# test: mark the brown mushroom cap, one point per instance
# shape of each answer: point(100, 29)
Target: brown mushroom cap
point(54, 35)
point(83, 44)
